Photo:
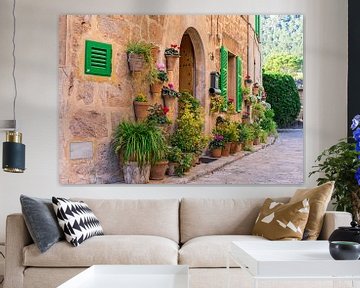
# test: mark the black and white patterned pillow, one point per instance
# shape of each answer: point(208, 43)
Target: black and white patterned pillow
point(77, 220)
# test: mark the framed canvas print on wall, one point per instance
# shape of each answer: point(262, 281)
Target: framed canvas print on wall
point(181, 99)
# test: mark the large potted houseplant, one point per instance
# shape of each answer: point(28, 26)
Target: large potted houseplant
point(157, 77)
point(138, 145)
point(341, 163)
point(141, 107)
point(172, 55)
point(138, 54)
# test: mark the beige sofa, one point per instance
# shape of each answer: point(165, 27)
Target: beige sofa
point(194, 232)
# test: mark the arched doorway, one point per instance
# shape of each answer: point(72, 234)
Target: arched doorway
point(187, 65)
point(192, 65)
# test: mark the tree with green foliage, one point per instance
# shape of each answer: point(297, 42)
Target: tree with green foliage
point(283, 96)
point(284, 63)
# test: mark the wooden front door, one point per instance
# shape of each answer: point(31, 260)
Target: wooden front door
point(187, 66)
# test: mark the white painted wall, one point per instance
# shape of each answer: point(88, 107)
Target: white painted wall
point(37, 54)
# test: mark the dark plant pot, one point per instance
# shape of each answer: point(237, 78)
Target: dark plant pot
point(226, 150)
point(216, 153)
point(141, 110)
point(350, 233)
point(343, 250)
point(158, 170)
point(136, 62)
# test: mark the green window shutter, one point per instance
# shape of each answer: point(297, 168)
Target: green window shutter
point(224, 74)
point(239, 96)
point(257, 26)
point(98, 58)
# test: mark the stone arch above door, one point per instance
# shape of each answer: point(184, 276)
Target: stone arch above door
point(199, 79)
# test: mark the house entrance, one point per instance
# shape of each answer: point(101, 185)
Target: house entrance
point(187, 66)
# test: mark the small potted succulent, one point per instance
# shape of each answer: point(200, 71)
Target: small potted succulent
point(248, 81)
point(172, 54)
point(141, 107)
point(157, 77)
point(138, 53)
point(216, 145)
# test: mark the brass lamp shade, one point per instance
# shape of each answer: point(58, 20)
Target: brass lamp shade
point(13, 153)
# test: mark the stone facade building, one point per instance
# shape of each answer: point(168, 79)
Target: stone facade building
point(92, 106)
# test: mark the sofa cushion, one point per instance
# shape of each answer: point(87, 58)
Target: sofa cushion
point(319, 198)
point(41, 221)
point(107, 249)
point(137, 217)
point(211, 251)
point(279, 221)
point(77, 220)
point(201, 217)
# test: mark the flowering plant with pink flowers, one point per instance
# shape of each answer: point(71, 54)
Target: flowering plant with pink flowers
point(169, 91)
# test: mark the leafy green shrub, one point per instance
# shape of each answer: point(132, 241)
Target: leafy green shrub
point(140, 142)
point(267, 123)
point(283, 96)
point(141, 48)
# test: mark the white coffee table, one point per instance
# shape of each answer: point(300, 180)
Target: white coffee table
point(292, 260)
point(131, 276)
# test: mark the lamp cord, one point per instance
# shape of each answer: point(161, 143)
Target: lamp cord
point(14, 60)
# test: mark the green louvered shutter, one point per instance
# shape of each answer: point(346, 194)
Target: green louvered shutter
point(224, 74)
point(239, 97)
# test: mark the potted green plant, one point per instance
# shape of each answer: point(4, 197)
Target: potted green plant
point(216, 146)
point(257, 132)
point(158, 169)
point(217, 104)
point(141, 107)
point(172, 54)
point(341, 163)
point(169, 94)
point(233, 136)
point(157, 76)
point(231, 109)
point(138, 53)
point(246, 136)
point(138, 145)
point(158, 115)
point(258, 111)
point(174, 156)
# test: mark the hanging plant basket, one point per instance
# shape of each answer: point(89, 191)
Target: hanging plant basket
point(136, 62)
point(156, 87)
point(141, 110)
point(171, 61)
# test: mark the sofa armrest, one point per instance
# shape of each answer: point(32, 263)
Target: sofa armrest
point(333, 220)
point(17, 237)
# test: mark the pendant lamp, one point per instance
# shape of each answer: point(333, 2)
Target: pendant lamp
point(13, 159)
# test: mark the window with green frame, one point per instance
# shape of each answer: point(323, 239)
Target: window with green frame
point(257, 26)
point(224, 71)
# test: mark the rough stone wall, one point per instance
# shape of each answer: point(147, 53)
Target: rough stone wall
point(92, 106)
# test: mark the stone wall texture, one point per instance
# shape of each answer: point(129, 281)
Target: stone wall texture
point(92, 106)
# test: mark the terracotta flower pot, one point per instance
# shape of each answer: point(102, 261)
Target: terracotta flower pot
point(249, 144)
point(216, 152)
point(256, 141)
point(136, 62)
point(141, 110)
point(226, 150)
point(169, 100)
point(133, 174)
point(156, 87)
point(235, 147)
point(158, 170)
point(171, 62)
point(171, 171)
point(155, 53)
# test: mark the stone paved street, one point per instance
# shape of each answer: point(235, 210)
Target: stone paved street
point(280, 163)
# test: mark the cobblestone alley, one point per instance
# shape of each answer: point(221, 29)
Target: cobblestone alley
point(280, 163)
